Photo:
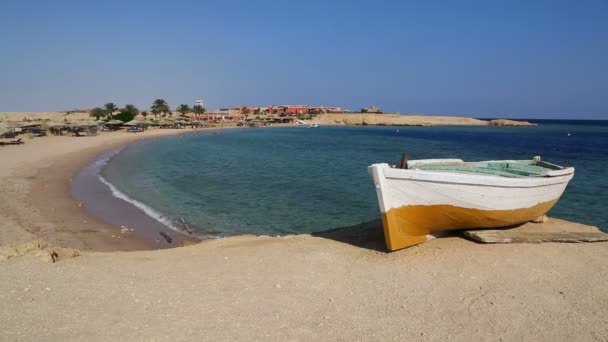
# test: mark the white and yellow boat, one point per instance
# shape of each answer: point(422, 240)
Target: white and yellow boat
point(420, 198)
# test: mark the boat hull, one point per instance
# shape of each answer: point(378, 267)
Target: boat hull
point(415, 205)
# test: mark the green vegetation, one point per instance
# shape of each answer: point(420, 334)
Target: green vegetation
point(110, 109)
point(198, 109)
point(131, 109)
point(127, 114)
point(160, 106)
point(184, 109)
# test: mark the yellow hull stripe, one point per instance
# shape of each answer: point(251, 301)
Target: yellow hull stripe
point(409, 225)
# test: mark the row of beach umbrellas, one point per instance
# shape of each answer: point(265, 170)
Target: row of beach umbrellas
point(9, 125)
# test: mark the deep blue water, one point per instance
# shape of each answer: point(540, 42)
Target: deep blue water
point(295, 180)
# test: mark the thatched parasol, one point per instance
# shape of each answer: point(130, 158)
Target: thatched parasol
point(114, 122)
point(56, 124)
point(82, 124)
point(133, 123)
point(29, 124)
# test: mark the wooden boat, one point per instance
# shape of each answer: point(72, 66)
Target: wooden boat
point(420, 198)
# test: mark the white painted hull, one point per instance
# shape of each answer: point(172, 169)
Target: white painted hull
point(416, 203)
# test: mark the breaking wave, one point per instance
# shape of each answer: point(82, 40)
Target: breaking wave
point(100, 163)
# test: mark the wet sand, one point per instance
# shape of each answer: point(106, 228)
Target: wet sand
point(97, 198)
point(36, 200)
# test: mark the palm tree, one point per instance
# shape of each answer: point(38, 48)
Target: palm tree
point(183, 109)
point(198, 109)
point(110, 108)
point(160, 106)
point(144, 113)
point(98, 112)
point(131, 109)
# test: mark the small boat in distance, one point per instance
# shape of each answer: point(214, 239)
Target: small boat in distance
point(420, 198)
point(314, 125)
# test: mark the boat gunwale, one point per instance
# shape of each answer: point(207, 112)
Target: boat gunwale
point(471, 179)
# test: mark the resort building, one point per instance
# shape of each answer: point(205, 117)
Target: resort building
point(226, 115)
point(292, 109)
point(372, 109)
point(323, 109)
point(284, 110)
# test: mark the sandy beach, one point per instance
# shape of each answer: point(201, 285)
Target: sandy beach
point(304, 171)
point(35, 194)
point(340, 285)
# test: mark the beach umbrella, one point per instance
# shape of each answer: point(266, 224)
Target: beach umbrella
point(55, 124)
point(133, 123)
point(82, 124)
point(72, 124)
point(114, 122)
point(29, 124)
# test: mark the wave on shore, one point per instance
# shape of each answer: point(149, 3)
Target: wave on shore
point(98, 166)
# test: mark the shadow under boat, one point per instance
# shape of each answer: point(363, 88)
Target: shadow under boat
point(370, 235)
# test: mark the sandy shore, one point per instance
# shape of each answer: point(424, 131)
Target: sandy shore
point(339, 285)
point(306, 288)
point(35, 199)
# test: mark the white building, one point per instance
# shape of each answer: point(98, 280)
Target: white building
point(200, 103)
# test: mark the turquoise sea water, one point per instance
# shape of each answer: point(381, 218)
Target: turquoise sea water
point(297, 180)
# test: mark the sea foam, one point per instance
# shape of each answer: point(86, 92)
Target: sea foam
point(98, 166)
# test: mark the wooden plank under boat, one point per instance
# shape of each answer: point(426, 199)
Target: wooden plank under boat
point(432, 195)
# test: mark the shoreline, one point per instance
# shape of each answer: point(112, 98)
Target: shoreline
point(38, 175)
point(87, 208)
point(295, 287)
point(37, 201)
point(101, 200)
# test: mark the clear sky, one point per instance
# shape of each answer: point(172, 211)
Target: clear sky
point(517, 59)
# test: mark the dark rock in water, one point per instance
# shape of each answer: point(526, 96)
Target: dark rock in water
point(166, 236)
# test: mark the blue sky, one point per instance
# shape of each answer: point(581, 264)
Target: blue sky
point(517, 59)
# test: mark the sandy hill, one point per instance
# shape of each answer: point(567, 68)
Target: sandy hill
point(394, 120)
